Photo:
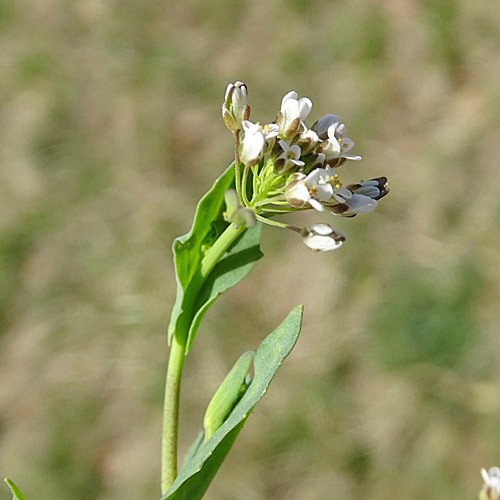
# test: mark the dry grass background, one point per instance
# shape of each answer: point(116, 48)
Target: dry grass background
point(110, 132)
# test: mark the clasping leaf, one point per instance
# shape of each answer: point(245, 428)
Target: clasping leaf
point(193, 300)
point(204, 458)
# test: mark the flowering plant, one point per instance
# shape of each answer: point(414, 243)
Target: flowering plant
point(278, 168)
point(292, 167)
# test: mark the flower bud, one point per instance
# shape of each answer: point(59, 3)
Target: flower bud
point(296, 191)
point(253, 143)
point(235, 213)
point(307, 141)
point(288, 160)
point(293, 112)
point(322, 125)
point(235, 108)
point(322, 237)
point(374, 188)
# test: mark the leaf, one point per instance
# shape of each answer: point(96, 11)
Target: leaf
point(187, 248)
point(15, 490)
point(229, 271)
point(192, 302)
point(227, 395)
point(203, 460)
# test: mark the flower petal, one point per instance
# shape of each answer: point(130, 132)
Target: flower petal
point(322, 237)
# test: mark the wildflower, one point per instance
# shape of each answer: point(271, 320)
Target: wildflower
point(491, 488)
point(360, 198)
point(322, 125)
point(270, 132)
point(293, 112)
point(235, 108)
point(289, 166)
point(288, 161)
point(354, 203)
point(336, 147)
point(318, 182)
point(253, 142)
point(374, 188)
point(313, 189)
point(322, 237)
point(296, 192)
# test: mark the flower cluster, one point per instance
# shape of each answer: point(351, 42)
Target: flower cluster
point(491, 488)
point(286, 166)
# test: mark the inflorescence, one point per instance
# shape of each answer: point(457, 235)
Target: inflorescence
point(285, 167)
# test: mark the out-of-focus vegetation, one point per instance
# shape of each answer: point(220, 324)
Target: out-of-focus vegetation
point(110, 131)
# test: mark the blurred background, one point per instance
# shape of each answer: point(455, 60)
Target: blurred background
point(110, 132)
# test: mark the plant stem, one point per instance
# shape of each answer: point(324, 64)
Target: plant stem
point(271, 222)
point(176, 361)
point(171, 414)
point(216, 251)
point(244, 185)
point(237, 165)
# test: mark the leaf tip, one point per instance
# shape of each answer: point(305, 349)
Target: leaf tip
point(14, 489)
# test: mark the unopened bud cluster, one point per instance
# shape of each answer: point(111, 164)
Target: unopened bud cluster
point(286, 166)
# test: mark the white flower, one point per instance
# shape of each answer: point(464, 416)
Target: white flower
point(296, 191)
point(319, 187)
point(337, 147)
point(270, 130)
point(313, 189)
point(374, 188)
point(351, 203)
point(235, 108)
point(292, 114)
point(358, 198)
point(324, 123)
point(253, 143)
point(289, 160)
point(322, 237)
point(491, 486)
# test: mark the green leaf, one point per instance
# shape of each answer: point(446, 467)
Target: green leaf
point(230, 270)
point(227, 395)
point(203, 460)
point(15, 490)
point(187, 248)
point(192, 302)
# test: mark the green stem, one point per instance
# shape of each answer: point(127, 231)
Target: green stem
point(255, 181)
point(271, 222)
point(237, 165)
point(176, 361)
point(244, 185)
point(278, 199)
point(217, 250)
point(171, 414)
